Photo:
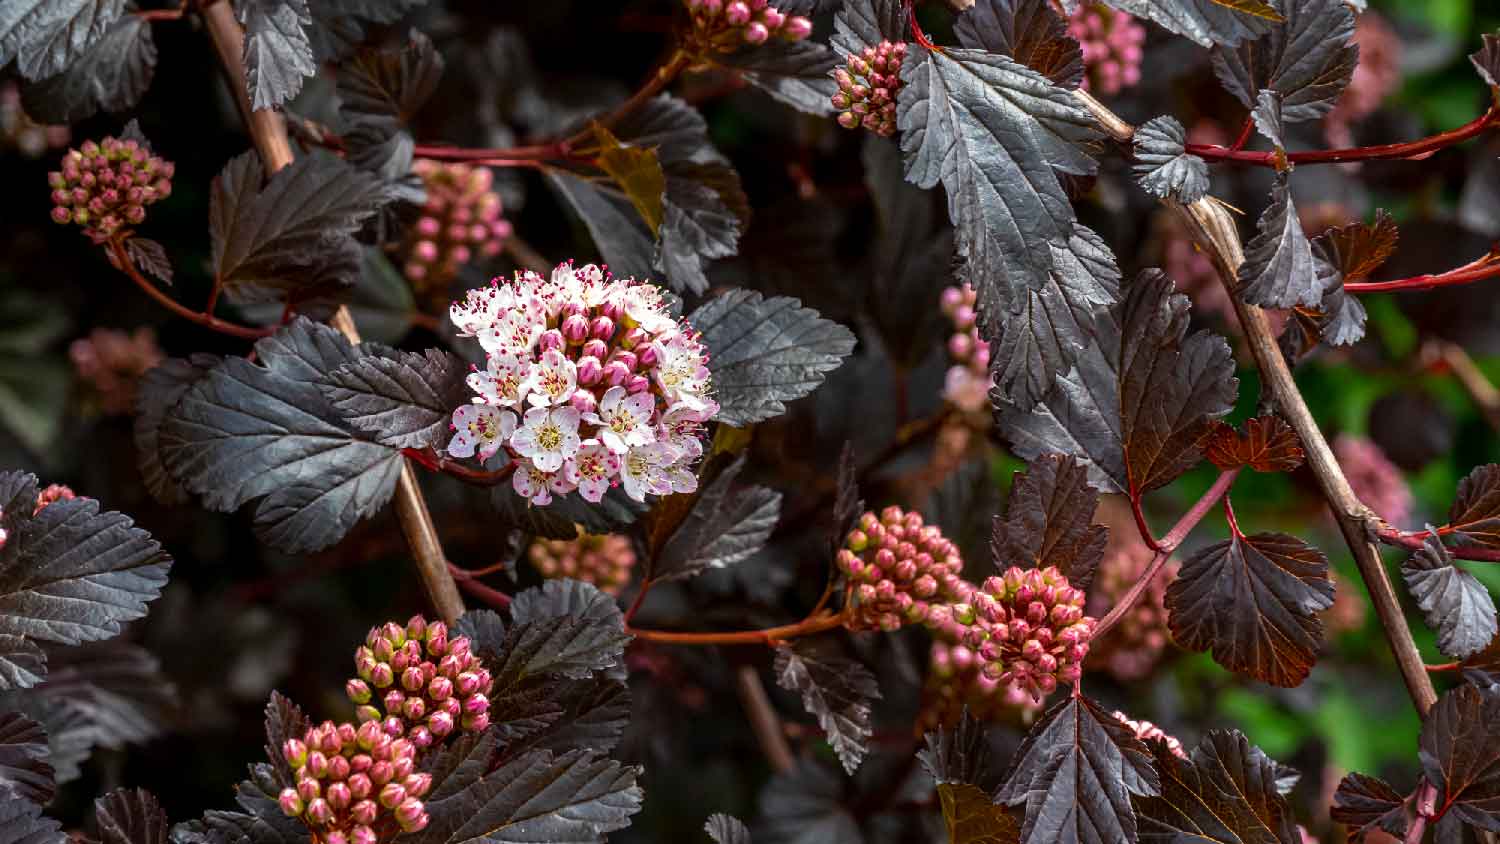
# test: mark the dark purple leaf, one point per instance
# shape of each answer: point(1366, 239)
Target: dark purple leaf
point(44, 37)
point(130, 816)
point(112, 74)
point(1140, 397)
point(725, 829)
point(1077, 772)
point(837, 691)
point(1208, 22)
point(278, 55)
point(866, 23)
point(1227, 793)
point(1307, 59)
point(1253, 600)
point(1163, 167)
point(160, 390)
point(997, 134)
point(1460, 751)
point(405, 400)
point(1474, 517)
point(1049, 521)
point(25, 773)
point(1280, 269)
point(1366, 804)
point(795, 73)
point(1268, 445)
point(1487, 60)
point(1029, 31)
point(1455, 604)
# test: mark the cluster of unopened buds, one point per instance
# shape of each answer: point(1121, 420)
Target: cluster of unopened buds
point(1027, 627)
point(460, 220)
point(1137, 642)
point(604, 560)
point(426, 685)
point(106, 186)
point(112, 363)
point(898, 569)
point(590, 382)
point(957, 682)
point(868, 83)
point(727, 25)
point(1111, 41)
point(966, 385)
point(354, 783)
point(1147, 731)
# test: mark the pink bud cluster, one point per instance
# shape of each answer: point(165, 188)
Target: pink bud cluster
point(112, 363)
point(1147, 731)
point(605, 560)
point(898, 570)
point(868, 83)
point(1111, 42)
point(725, 26)
point(590, 382)
point(957, 682)
point(106, 186)
point(353, 783)
point(460, 219)
point(1027, 627)
point(416, 683)
point(967, 383)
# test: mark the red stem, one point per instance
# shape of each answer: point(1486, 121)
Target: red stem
point(767, 636)
point(122, 259)
point(640, 596)
point(430, 460)
point(1234, 525)
point(1445, 666)
point(1141, 525)
point(160, 14)
point(493, 597)
point(1245, 132)
point(1486, 267)
point(1214, 152)
point(1166, 546)
point(1415, 539)
point(916, 28)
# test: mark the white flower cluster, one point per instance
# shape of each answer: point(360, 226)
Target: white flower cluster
point(590, 382)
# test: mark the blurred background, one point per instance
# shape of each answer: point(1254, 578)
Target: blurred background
point(1409, 408)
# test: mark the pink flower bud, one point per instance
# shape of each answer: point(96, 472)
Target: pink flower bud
point(417, 785)
point(364, 812)
point(380, 773)
point(419, 736)
point(551, 339)
point(339, 796)
point(467, 684)
point(633, 338)
point(475, 704)
point(392, 794)
point(295, 752)
point(476, 723)
point(737, 13)
point(411, 680)
point(335, 837)
point(425, 251)
point(602, 328)
point(291, 804)
point(359, 784)
point(308, 789)
point(575, 329)
point(319, 812)
point(440, 723)
point(583, 401)
point(363, 834)
point(440, 688)
point(358, 691)
point(616, 373)
point(412, 816)
point(394, 700)
point(637, 384)
point(626, 358)
point(393, 727)
point(381, 676)
point(589, 371)
point(437, 638)
point(459, 254)
point(338, 768)
point(647, 356)
point(415, 708)
point(317, 764)
point(367, 713)
point(428, 227)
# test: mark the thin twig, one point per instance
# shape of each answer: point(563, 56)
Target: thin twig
point(1414, 540)
point(1165, 546)
point(1480, 390)
point(1484, 268)
point(767, 636)
point(763, 719)
point(1411, 149)
point(268, 132)
point(121, 259)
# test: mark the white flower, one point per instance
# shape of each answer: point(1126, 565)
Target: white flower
point(642, 303)
point(480, 426)
point(531, 483)
point(504, 381)
point(513, 332)
point(681, 477)
point(643, 470)
point(480, 308)
point(549, 437)
point(592, 468)
point(552, 380)
point(682, 425)
point(624, 420)
point(680, 371)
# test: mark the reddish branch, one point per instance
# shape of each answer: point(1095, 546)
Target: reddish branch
point(1414, 540)
point(1479, 270)
point(1165, 546)
point(121, 259)
point(766, 636)
point(468, 581)
point(430, 460)
point(1411, 149)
